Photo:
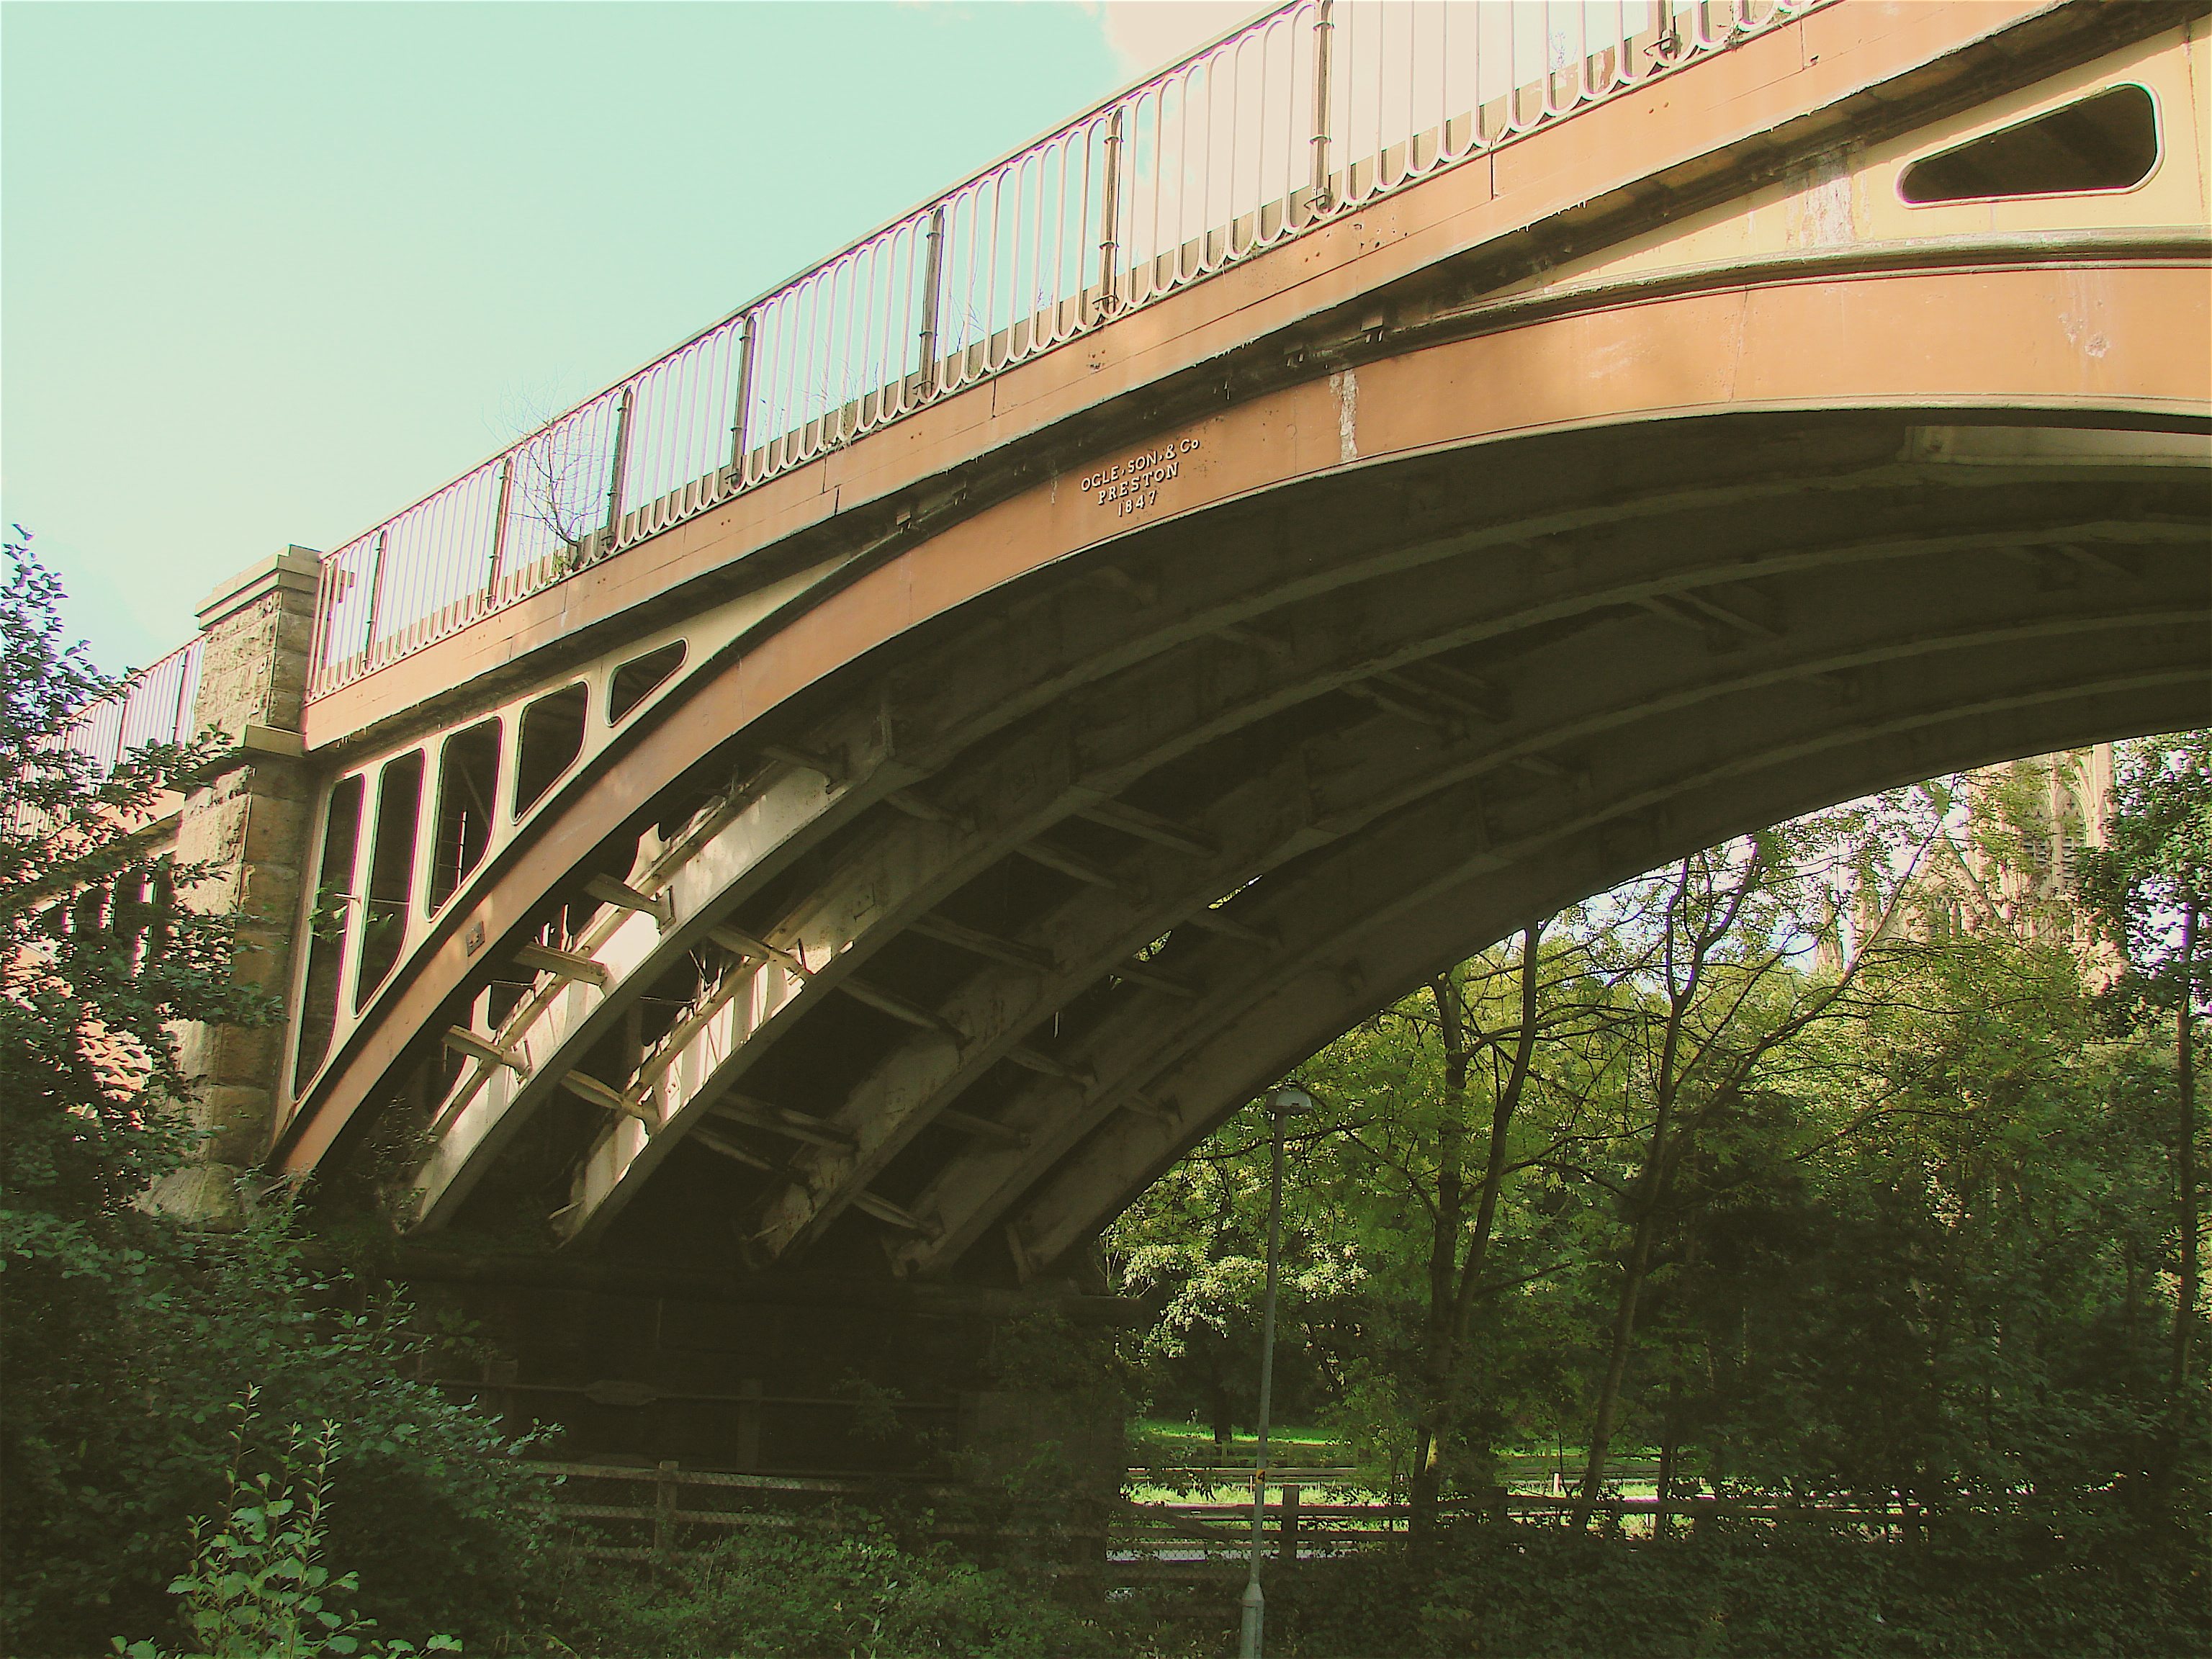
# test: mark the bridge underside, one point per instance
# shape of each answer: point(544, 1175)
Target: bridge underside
point(958, 949)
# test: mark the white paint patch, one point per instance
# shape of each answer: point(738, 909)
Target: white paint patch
point(1344, 388)
point(1823, 205)
point(2075, 328)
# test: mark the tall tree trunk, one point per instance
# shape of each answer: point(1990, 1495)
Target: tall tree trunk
point(1439, 1359)
point(1455, 1278)
point(1687, 950)
point(1635, 1270)
point(2184, 1315)
point(1670, 1438)
point(1636, 1267)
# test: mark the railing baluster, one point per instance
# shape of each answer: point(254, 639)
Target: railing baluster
point(1109, 220)
point(620, 461)
point(499, 526)
point(1324, 33)
point(933, 280)
point(745, 397)
point(375, 594)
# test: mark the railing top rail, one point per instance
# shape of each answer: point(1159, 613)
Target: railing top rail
point(1265, 16)
point(166, 686)
point(770, 1481)
point(1240, 144)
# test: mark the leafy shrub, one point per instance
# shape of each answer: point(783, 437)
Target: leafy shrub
point(1519, 1592)
point(130, 1337)
point(130, 1340)
point(774, 1595)
point(257, 1588)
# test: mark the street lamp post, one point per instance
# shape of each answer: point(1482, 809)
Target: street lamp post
point(1283, 1102)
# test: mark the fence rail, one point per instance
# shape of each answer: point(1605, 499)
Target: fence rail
point(155, 706)
point(791, 1502)
point(1124, 1541)
point(1309, 112)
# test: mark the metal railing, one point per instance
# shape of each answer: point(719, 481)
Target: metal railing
point(155, 706)
point(1309, 112)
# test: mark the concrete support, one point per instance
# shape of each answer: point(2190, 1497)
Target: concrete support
point(249, 824)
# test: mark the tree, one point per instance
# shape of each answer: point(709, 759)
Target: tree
point(1197, 1249)
point(1433, 1138)
point(132, 1338)
point(98, 953)
point(1720, 1014)
point(2151, 885)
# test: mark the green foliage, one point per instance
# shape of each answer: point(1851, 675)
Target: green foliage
point(2158, 865)
point(132, 1338)
point(1457, 1209)
point(1196, 1250)
point(767, 1593)
point(129, 1337)
point(98, 955)
point(1888, 1221)
point(257, 1588)
point(1955, 1302)
point(2151, 887)
point(1527, 1592)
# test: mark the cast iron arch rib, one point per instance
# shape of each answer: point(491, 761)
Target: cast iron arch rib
point(1756, 613)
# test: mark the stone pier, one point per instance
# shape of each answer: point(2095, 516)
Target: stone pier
point(248, 821)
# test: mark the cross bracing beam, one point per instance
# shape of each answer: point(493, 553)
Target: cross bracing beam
point(782, 1121)
point(1417, 614)
point(1094, 930)
point(893, 877)
point(613, 1100)
point(692, 882)
point(563, 965)
point(1371, 917)
point(485, 1051)
point(804, 1208)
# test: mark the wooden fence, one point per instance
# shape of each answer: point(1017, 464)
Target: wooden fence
point(1311, 1514)
point(681, 1502)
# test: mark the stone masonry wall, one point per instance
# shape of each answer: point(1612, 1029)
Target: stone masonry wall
point(251, 823)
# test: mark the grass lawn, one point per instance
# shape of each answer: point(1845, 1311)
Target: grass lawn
point(1185, 1445)
point(1160, 1443)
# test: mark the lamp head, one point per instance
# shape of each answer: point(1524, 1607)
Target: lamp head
point(1288, 1099)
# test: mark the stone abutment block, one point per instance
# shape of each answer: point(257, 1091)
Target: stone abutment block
point(248, 824)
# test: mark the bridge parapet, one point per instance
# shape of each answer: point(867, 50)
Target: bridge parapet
point(1294, 121)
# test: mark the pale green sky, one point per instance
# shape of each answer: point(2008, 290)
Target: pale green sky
point(273, 270)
